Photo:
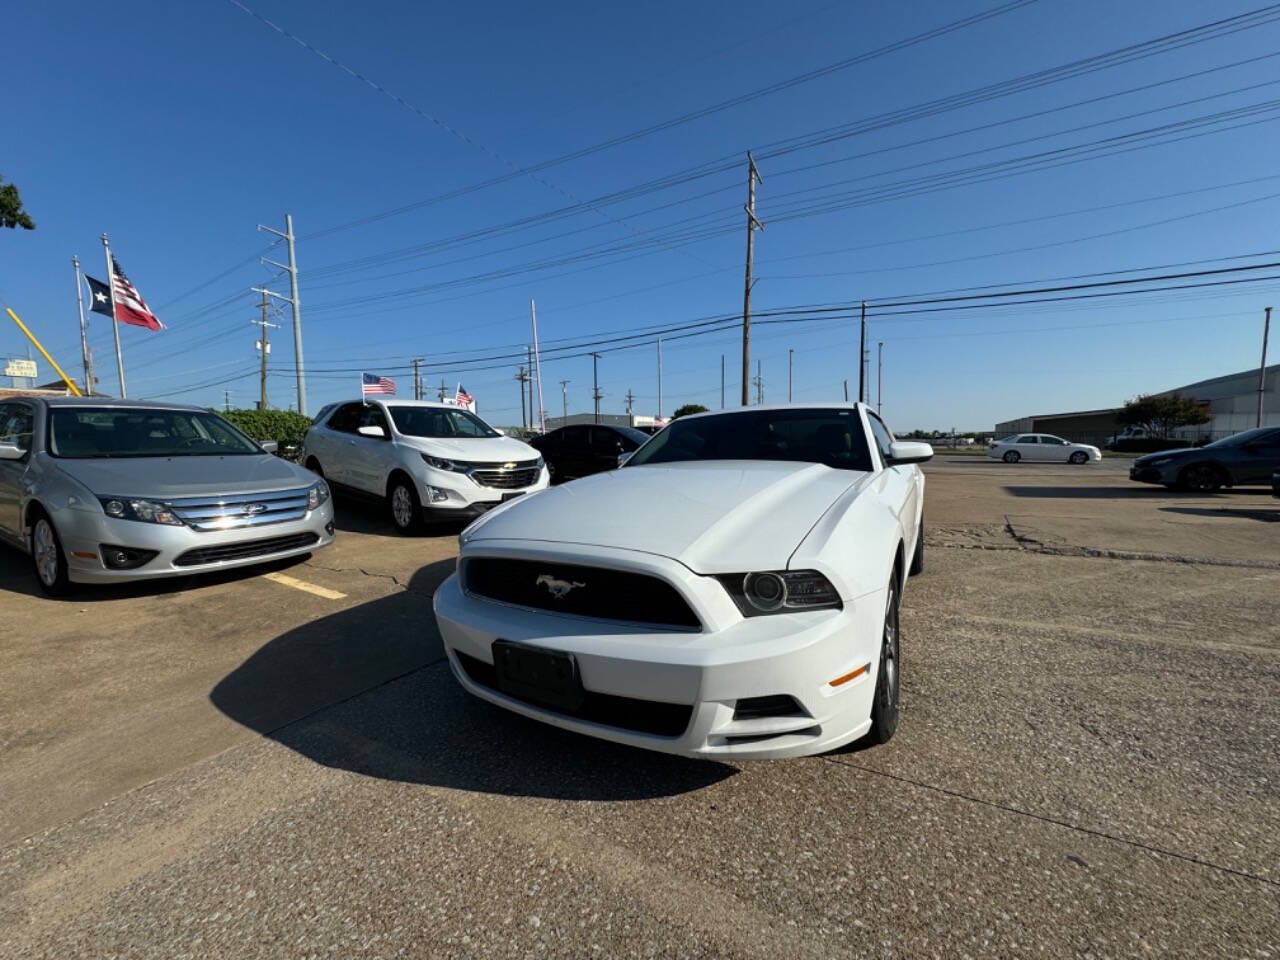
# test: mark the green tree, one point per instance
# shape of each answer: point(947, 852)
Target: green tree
point(11, 213)
point(687, 409)
point(1160, 415)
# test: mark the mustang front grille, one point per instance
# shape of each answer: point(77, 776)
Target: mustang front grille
point(580, 591)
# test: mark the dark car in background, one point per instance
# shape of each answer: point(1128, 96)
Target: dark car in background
point(581, 449)
point(1275, 484)
point(1245, 459)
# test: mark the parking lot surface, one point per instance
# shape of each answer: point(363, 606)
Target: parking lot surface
point(278, 763)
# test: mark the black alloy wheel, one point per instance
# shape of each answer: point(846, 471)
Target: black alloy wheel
point(1201, 477)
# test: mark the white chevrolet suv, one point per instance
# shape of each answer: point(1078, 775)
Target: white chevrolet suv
point(426, 461)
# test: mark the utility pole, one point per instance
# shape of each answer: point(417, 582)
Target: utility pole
point(442, 389)
point(879, 374)
point(631, 400)
point(522, 377)
point(564, 400)
point(862, 353)
point(264, 346)
point(226, 394)
point(290, 268)
point(753, 177)
point(595, 383)
point(722, 381)
point(846, 390)
point(659, 378)
point(536, 369)
point(86, 355)
point(790, 359)
point(1262, 371)
point(528, 352)
point(417, 378)
point(759, 383)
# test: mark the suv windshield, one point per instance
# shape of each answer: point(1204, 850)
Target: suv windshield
point(832, 437)
point(439, 422)
point(91, 432)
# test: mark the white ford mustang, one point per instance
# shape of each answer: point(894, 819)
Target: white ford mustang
point(733, 591)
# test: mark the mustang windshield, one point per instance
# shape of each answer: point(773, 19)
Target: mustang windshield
point(85, 433)
point(832, 437)
point(439, 422)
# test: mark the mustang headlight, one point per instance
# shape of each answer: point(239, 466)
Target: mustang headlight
point(144, 511)
point(780, 591)
point(317, 494)
point(441, 463)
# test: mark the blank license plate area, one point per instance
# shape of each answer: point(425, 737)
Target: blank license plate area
point(545, 677)
point(512, 496)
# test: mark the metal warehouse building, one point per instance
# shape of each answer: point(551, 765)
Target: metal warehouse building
point(1232, 402)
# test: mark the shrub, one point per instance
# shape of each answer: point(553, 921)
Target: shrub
point(284, 426)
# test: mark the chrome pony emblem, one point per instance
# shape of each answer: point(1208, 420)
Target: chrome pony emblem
point(558, 589)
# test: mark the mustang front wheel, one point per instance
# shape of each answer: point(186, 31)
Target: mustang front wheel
point(884, 706)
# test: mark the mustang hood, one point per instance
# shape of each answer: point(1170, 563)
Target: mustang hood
point(714, 517)
point(163, 478)
point(474, 449)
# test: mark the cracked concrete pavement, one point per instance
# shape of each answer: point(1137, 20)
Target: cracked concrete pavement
point(1087, 765)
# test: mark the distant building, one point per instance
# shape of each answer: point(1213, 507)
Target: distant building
point(1232, 402)
point(612, 419)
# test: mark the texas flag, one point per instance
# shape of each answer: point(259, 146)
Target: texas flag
point(129, 306)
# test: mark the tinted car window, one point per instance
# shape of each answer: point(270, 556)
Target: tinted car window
point(439, 422)
point(574, 438)
point(346, 418)
point(834, 437)
point(606, 440)
point(1057, 440)
point(1026, 439)
point(372, 416)
point(16, 422)
point(884, 439)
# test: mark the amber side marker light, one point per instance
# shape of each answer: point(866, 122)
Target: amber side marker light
point(852, 675)
point(84, 556)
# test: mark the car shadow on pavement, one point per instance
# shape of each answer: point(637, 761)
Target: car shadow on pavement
point(1117, 493)
point(368, 690)
point(18, 576)
point(357, 515)
point(1266, 516)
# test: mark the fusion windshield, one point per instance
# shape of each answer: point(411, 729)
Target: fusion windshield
point(832, 437)
point(439, 422)
point(89, 432)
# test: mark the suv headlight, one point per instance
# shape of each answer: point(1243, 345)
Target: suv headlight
point(317, 494)
point(541, 463)
point(441, 463)
point(780, 591)
point(144, 511)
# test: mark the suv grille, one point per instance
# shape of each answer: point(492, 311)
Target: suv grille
point(216, 512)
point(520, 475)
point(245, 549)
point(584, 591)
point(626, 713)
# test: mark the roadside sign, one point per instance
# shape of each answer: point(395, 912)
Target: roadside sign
point(20, 368)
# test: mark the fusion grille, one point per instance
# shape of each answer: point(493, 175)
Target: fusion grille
point(218, 512)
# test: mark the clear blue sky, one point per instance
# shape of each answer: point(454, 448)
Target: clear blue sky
point(177, 128)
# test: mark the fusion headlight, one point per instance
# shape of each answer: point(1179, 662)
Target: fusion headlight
point(317, 494)
point(780, 591)
point(144, 511)
point(440, 463)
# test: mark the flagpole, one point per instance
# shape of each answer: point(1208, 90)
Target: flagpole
point(537, 363)
point(84, 335)
point(115, 324)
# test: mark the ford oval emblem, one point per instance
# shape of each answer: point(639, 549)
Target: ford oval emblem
point(253, 509)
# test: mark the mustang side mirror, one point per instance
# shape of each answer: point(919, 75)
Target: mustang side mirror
point(373, 431)
point(11, 451)
point(623, 458)
point(905, 451)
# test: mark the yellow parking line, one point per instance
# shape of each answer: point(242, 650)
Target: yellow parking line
point(302, 585)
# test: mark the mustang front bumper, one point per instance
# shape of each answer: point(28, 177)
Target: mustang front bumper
point(690, 693)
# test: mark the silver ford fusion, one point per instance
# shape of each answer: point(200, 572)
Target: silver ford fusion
point(108, 491)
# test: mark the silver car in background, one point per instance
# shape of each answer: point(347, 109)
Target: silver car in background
point(109, 491)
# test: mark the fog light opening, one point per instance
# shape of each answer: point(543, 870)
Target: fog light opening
point(125, 558)
point(437, 495)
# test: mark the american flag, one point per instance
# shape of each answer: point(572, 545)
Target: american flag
point(130, 307)
point(371, 383)
point(462, 398)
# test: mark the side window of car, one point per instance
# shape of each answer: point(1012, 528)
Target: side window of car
point(16, 422)
point(884, 439)
point(1028, 439)
point(372, 416)
point(346, 418)
point(605, 441)
point(1052, 440)
point(575, 438)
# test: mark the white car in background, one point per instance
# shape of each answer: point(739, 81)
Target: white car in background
point(1043, 447)
point(732, 591)
point(427, 461)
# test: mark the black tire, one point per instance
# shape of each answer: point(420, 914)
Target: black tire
point(1201, 478)
point(884, 702)
point(1079, 457)
point(50, 568)
point(403, 505)
point(917, 558)
point(313, 465)
point(1012, 456)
